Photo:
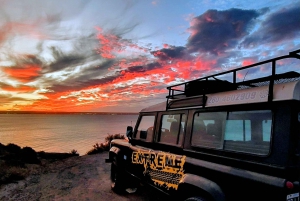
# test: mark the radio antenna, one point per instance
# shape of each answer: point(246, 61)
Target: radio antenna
point(245, 76)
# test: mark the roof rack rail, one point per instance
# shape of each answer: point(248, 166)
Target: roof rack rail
point(198, 88)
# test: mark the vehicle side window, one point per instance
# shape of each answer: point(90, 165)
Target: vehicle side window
point(208, 129)
point(266, 126)
point(145, 128)
point(248, 131)
point(172, 128)
point(238, 130)
point(241, 131)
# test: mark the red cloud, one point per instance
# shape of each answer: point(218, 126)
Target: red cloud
point(247, 62)
point(112, 45)
point(25, 73)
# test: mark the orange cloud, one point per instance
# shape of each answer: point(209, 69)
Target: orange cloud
point(22, 88)
point(25, 73)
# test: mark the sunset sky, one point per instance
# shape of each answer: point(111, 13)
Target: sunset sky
point(120, 55)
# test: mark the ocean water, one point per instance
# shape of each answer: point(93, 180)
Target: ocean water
point(61, 132)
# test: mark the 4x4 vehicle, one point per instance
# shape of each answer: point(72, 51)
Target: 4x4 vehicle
point(216, 140)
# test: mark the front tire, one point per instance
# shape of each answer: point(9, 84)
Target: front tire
point(117, 178)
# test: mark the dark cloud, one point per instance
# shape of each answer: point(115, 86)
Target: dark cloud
point(169, 53)
point(88, 78)
point(85, 78)
point(23, 59)
point(136, 69)
point(279, 26)
point(152, 66)
point(215, 31)
point(27, 59)
point(80, 85)
point(62, 61)
point(82, 52)
point(143, 68)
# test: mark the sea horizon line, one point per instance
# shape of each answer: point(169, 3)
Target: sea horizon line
point(84, 113)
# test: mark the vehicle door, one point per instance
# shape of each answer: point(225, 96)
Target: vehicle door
point(142, 143)
point(161, 163)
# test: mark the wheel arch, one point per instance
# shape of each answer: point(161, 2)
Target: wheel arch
point(114, 151)
point(114, 154)
point(209, 188)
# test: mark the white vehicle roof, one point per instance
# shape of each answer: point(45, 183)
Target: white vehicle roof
point(283, 91)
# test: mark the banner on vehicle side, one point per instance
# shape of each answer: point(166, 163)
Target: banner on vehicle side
point(164, 169)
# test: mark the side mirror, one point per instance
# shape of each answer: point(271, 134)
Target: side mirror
point(129, 132)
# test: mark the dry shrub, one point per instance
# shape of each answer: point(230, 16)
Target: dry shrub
point(13, 160)
point(104, 146)
point(10, 174)
point(109, 138)
point(74, 152)
point(17, 163)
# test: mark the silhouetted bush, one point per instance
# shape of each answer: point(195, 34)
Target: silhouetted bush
point(12, 148)
point(29, 155)
point(104, 146)
point(98, 148)
point(2, 149)
point(109, 138)
point(74, 152)
point(13, 161)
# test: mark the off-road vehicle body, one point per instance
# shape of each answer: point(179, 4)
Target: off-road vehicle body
point(217, 140)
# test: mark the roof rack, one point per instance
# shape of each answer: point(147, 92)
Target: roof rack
point(198, 88)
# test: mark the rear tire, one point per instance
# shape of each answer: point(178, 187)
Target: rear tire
point(195, 199)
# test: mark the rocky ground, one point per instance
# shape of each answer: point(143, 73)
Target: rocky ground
point(76, 178)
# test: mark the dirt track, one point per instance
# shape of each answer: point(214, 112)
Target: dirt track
point(76, 178)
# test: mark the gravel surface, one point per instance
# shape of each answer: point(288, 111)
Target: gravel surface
point(77, 178)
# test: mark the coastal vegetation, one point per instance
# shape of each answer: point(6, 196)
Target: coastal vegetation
point(104, 146)
point(17, 163)
point(13, 160)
